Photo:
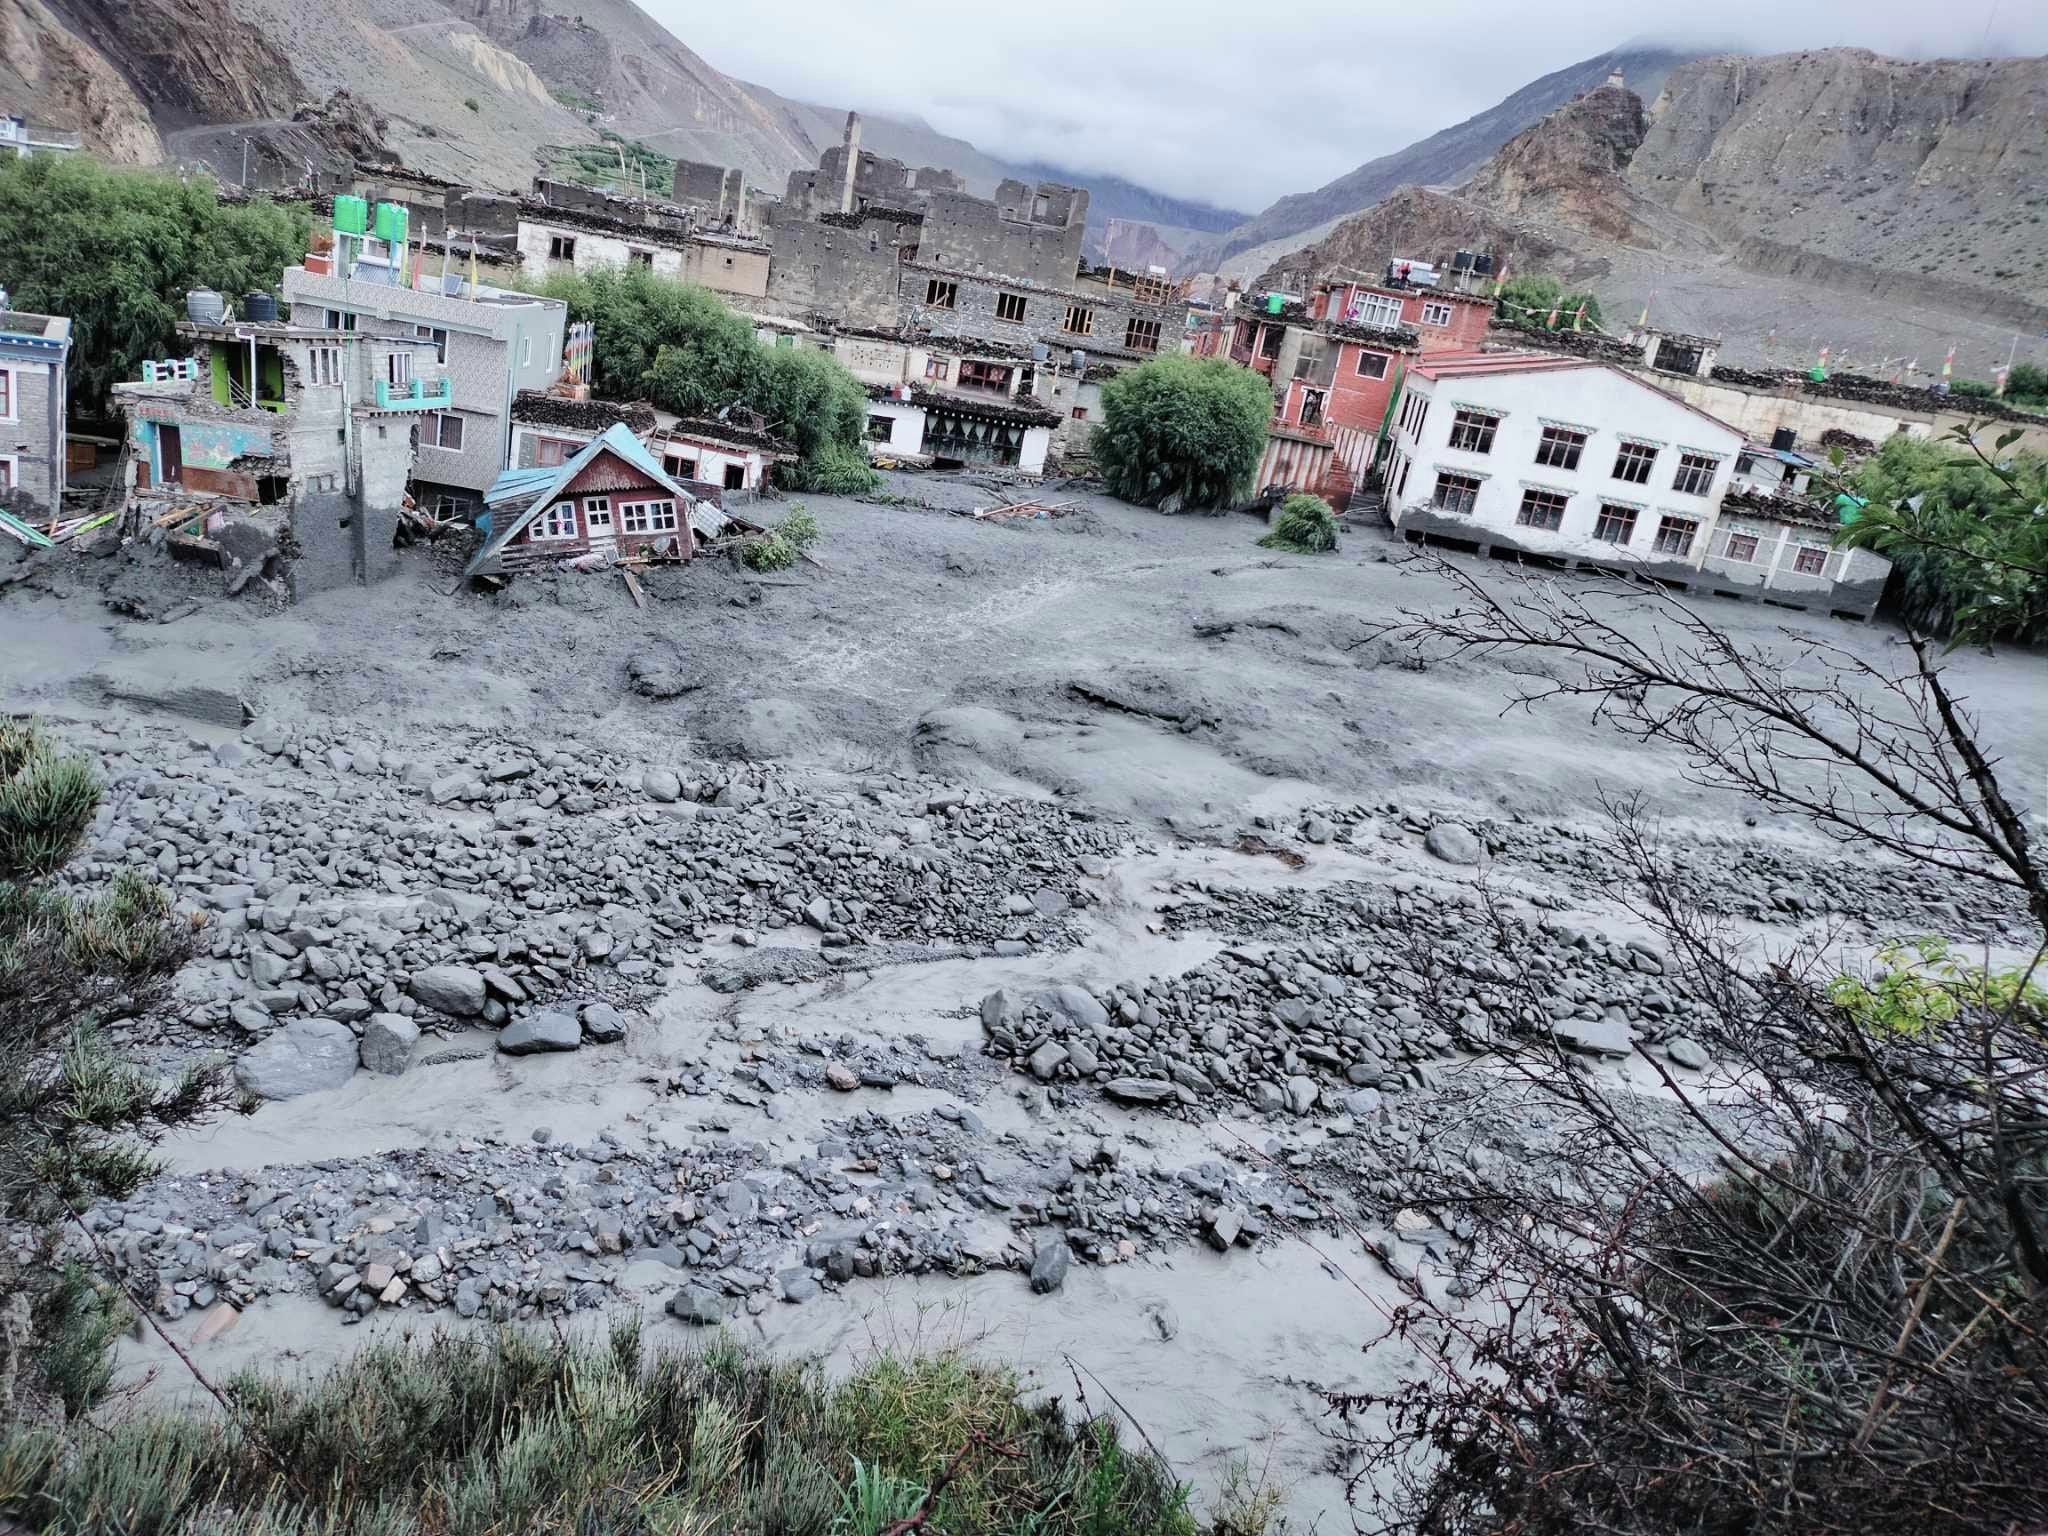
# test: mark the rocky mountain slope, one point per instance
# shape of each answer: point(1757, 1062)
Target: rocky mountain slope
point(1442, 158)
point(1599, 193)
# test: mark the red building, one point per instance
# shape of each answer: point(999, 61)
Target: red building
point(1335, 361)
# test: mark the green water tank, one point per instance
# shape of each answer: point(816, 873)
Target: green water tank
point(390, 226)
point(351, 216)
point(1275, 302)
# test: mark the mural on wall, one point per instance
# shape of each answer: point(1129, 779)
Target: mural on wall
point(217, 447)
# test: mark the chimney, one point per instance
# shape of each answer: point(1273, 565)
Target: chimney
point(852, 161)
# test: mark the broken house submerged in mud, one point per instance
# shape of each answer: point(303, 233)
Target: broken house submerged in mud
point(612, 501)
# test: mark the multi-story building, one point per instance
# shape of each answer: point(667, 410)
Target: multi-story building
point(488, 345)
point(264, 425)
point(555, 240)
point(941, 402)
point(35, 356)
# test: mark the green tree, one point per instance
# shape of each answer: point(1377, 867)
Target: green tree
point(1304, 524)
point(117, 250)
point(1964, 527)
point(678, 345)
point(1182, 431)
point(74, 1116)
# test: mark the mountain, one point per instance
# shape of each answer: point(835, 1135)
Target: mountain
point(1785, 203)
point(1444, 157)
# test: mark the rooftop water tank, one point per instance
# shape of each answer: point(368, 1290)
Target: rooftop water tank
point(351, 215)
point(1784, 439)
point(205, 307)
point(1040, 352)
point(259, 307)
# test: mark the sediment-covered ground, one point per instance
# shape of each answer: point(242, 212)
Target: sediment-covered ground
point(1079, 939)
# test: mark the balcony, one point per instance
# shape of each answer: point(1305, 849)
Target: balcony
point(415, 395)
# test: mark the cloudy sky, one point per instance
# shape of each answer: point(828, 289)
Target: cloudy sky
point(1239, 104)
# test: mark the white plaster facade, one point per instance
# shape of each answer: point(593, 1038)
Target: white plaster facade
point(1516, 485)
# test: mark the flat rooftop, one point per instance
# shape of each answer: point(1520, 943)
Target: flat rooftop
point(16, 322)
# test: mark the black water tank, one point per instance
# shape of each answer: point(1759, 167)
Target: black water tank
point(1784, 438)
point(259, 308)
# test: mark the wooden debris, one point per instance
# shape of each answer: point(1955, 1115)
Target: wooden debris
point(633, 588)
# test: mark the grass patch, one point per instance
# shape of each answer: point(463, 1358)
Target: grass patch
point(488, 1434)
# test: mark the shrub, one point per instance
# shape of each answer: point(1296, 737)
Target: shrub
point(1182, 432)
point(1304, 524)
point(835, 469)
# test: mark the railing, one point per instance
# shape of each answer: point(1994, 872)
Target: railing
point(415, 395)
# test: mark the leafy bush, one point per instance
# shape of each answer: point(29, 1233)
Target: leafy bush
point(116, 250)
point(1970, 389)
point(1184, 431)
point(1304, 524)
point(834, 470)
point(1528, 303)
point(516, 1432)
point(778, 549)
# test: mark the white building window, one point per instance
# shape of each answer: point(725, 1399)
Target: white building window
point(1674, 536)
point(398, 368)
point(1456, 493)
point(1472, 431)
point(1542, 509)
point(10, 397)
point(1741, 547)
point(1436, 314)
point(647, 517)
point(1632, 463)
point(1615, 525)
point(1560, 448)
point(558, 522)
point(1695, 474)
point(597, 515)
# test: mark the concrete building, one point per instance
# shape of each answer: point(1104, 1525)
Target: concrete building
point(22, 137)
point(488, 345)
point(265, 426)
point(35, 359)
point(1558, 458)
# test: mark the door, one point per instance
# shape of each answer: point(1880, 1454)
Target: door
point(735, 477)
point(170, 454)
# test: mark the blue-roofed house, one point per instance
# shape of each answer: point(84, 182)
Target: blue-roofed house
point(612, 496)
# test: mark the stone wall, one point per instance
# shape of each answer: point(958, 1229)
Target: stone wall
point(975, 235)
point(847, 273)
point(974, 314)
point(32, 438)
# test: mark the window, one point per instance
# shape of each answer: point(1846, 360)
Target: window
point(1080, 320)
point(1150, 290)
point(735, 477)
point(448, 507)
point(1741, 547)
point(6, 394)
point(1372, 365)
point(561, 247)
point(640, 259)
point(444, 430)
point(648, 517)
point(1380, 310)
point(340, 320)
point(1308, 362)
point(7, 474)
point(683, 469)
point(1436, 314)
point(1413, 414)
point(1633, 463)
point(558, 522)
point(935, 368)
point(1615, 525)
point(940, 294)
point(1141, 335)
point(880, 428)
point(550, 452)
point(1473, 431)
point(1080, 413)
point(1674, 536)
point(1312, 407)
point(1270, 337)
point(1456, 493)
point(438, 337)
point(1542, 509)
point(398, 368)
point(597, 515)
point(989, 376)
point(526, 351)
point(1560, 448)
point(1010, 307)
point(1695, 474)
point(1811, 560)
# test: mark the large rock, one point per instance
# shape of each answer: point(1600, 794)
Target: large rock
point(698, 1307)
point(388, 1039)
point(1076, 1005)
point(1594, 1037)
point(553, 1030)
point(306, 1056)
point(1140, 1090)
point(602, 1023)
point(456, 990)
point(661, 784)
point(1452, 843)
point(1049, 1265)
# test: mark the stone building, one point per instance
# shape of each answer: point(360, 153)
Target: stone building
point(35, 359)
point(488, 344)
point(552, 239)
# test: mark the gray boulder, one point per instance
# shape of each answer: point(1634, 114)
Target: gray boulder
point(1049, 1265)
point(388, 1039)
point(697, 1307)
point(661, 784)
point(1077, 1005)
point(1687, 1053)
point(553, 1030)
point(1594, 1037)
point(306, 1056)
point(456, 990)
point(1452, 843)
point(602, 1023)
point(1140, 1090)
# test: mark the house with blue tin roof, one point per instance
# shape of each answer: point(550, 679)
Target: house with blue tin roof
point(613, 497)
point(35, 357)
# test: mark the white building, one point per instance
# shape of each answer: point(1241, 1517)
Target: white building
point(1575, 461)
point(954, 400)
point(1559, 457)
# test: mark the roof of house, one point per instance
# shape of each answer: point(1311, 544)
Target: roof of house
point(537, 407)
point(1007, 411)
point(538, 488)
point(1782, 509)
point(1478, 365)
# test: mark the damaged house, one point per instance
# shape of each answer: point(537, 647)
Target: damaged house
point(611, 499)
point(35, 355)
point(266, 427)
point(712, 457)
